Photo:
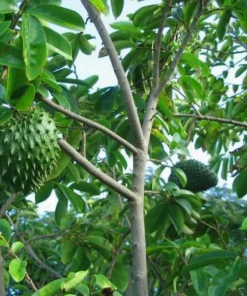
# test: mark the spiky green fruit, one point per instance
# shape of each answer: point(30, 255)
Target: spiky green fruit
point(28, 150)
point(199, 176)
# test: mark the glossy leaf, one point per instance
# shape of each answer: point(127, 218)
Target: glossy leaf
point(199, 280)
point(5, 114)
point(176, 217)
point(117, 7)
point(223, 279)
point(58, 16)
point(44, 192)
point(51, 289)
point(82, 186)
point(99, 5)
point(76, 280)
point(26, 98)
point(58, 43)
point(62, 206)
point(120, 276)
point(223, 24)
point(11, 56)
point(34, 46)
point(8, 6)
point(74, 198)
point(209, 258)
point(240, 184)
point(5, 229)
point(156, 217)
point(17, 269)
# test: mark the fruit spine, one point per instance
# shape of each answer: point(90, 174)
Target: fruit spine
point(199, 176)
point(28, 150)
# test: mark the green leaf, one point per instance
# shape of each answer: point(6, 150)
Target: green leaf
point(192, 87)
point(199, 280)
point(62, 206)
point(99, 5)
point(156, 217)
point(34, 45)
point(117, 7)
point(8, 6)
point(50, 289)
point(194, 62)
point(11, 56)
point(85, 45)
point(223, 24)
point(100, 244)
point(17, 246)
point(5, 229)
point(76, 280)
point(120, 276)
point(223, 279)
point(59, 16)
point(86, 187)
point(17, 269)
point(58, 43)
point(44, 192)
point(5, 114)
point(244, 224)
point(209, 258)
point(63, 160)
point(74, 198)
point(26, 98)
point(176, 217)
point(67, 252)
point(48, 78)
point(102, 282)
point(184, 204)
point(240, 184)
point(181, 176)
point(4, 27)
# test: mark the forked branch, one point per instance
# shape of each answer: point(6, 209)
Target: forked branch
point(91, 169)
point(119, 72)
point(91, 123)
point(211, 118)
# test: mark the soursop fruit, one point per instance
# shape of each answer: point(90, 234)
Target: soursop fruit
point(199, 176)
point(28, 150)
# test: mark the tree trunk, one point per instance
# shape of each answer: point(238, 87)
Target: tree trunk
point(138, 227)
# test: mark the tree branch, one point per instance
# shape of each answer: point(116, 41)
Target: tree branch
point(90, 123)
point(7, 204)
point(117, 250)
point(158, 45)
point(119, 72)
point(153, 99)
point(211, 118)
point(91, 169)
point(31, 252)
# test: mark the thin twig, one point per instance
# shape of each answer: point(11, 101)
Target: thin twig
point(153, 99)
point(158, 42)
point(91, 169)
point(8, 203)
point(90, 123)
point(119, 72)
point(31, 252)
point(157, 274)
point(115, 254)
point(211, 118)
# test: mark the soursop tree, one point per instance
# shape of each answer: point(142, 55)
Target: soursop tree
point(121, 226)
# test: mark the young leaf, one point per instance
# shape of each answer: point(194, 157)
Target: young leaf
point(99, 5)
point(58, 16)
point(17, 269)
point(51, 289)
point(72, 283)
point(34, 45)
point(58, 43)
